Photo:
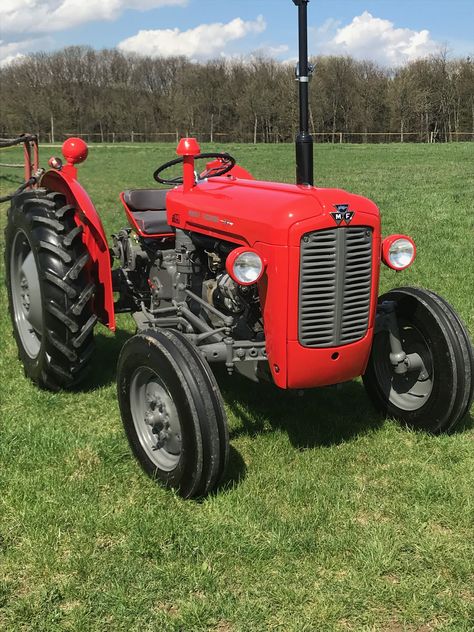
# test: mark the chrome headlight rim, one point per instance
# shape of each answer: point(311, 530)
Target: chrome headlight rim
point(398, 252)
point(245, 266)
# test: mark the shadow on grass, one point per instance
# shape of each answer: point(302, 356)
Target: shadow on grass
point(318, 417)
point(103, 369)
point(466, 424)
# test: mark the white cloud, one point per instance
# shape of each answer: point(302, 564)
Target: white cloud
point(274, 51)
point(368, 37)
point(10, 51)
point(203, 41)
point(38, 16)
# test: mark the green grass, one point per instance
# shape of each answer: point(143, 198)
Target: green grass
point(331, 519)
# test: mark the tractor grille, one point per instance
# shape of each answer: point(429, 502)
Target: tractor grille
point(335, 282)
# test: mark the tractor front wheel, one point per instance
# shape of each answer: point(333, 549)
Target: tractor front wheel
point(436, 392)
point(172, 412)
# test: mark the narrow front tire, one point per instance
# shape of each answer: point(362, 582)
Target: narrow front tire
point(437, 394)
point(172, 412)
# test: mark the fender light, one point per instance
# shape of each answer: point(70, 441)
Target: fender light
point(245, 266)
point(398, 251)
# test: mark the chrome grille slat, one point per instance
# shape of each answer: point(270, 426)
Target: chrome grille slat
point(335, 285)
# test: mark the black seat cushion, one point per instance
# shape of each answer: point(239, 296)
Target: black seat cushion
point(149, 209)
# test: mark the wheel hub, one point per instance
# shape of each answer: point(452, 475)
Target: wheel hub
point(408, 391)
point(156, 418)
point(25, 293)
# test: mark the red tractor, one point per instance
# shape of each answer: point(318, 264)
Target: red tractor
point(276, 281)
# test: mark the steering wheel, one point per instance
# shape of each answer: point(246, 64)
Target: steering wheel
point(227, 163)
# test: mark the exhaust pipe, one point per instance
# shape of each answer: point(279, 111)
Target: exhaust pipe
point(304, 140)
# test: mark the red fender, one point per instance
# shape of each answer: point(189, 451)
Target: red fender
point(93, 236)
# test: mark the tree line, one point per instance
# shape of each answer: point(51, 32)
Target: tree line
point(114, 96)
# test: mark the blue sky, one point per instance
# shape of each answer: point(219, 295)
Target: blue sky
point(387, 31)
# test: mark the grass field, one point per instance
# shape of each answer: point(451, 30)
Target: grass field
point(331, 518)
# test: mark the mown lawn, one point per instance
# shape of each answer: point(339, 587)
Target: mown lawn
point(331, 517)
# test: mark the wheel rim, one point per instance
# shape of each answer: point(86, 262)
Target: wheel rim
point(26, 295)
point(410, 391)
point(155, 418)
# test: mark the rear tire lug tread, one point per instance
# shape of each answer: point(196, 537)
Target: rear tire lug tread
point(47, 221)
point(34, 203)
point(85, 331)
point(60, 252)
point(76, 269)
point(69, 238)
point(60, 346)
point(67, 337)
point(83, 299)
point(84, 358)
point(55, 197)
point(61, 212)
point(54, 309)
point(46, 381)
point(68, 289)
point(66, 376)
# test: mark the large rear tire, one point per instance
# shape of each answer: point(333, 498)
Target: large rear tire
point(172, 412)
point(438, 395)
point(49, 290)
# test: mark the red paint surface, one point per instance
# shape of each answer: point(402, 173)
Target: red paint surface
point(93, 237)
point(271, 218)
point(75, 151)
point(188, 147)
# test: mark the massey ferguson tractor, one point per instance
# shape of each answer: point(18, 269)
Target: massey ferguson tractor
point(276, 281)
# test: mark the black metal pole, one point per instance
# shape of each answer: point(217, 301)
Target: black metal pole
point(304, 140)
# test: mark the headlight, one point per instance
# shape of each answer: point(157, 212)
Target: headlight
point(244, 266)
point(398, 252)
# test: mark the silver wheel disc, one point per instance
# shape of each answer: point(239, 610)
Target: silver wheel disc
point(26, 295)
point(155, 418)
point(412, 390)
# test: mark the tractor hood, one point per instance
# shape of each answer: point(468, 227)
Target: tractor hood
point(250, 211)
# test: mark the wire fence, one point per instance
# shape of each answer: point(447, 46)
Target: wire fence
point(232, 137)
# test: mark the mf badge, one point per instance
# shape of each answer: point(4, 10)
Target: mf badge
point(342, 214)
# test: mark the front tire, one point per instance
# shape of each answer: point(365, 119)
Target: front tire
point(438, 395)
point(49, 289)
point(172, 412)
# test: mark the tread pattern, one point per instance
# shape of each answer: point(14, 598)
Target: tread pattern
point(462, 348)
point(197, 397)
point(451, 400)
point(77, 268)
point(67, 287)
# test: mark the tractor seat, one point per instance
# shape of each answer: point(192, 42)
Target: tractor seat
point(149, 209)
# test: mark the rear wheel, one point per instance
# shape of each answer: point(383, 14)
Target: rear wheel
point(437, 392)
point(49, 291)
point(172, 412)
